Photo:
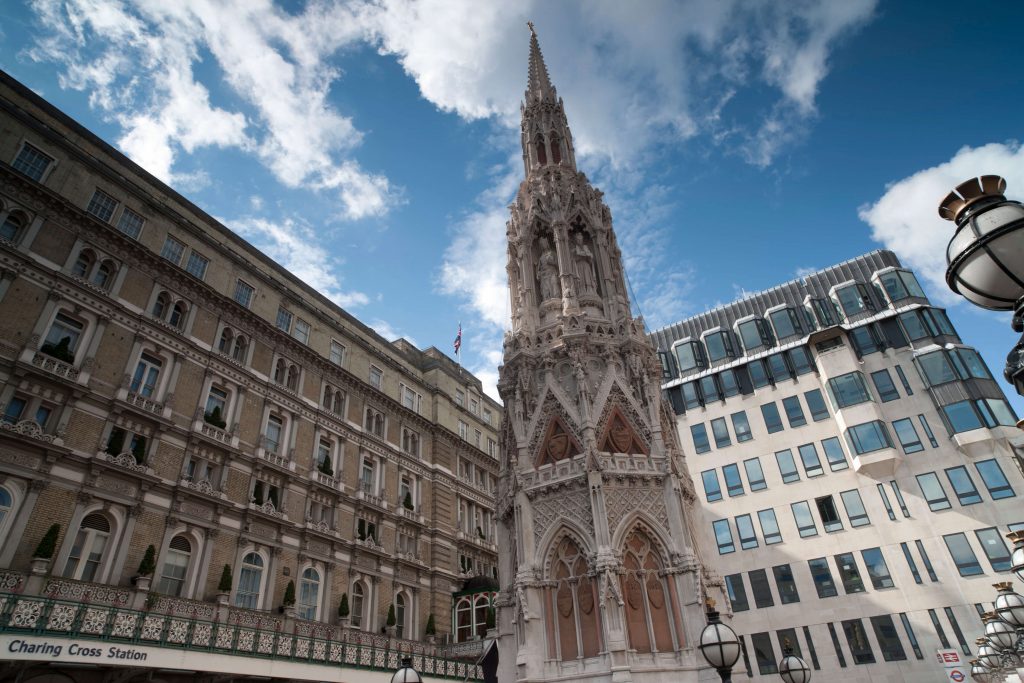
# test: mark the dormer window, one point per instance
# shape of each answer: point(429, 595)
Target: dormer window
point(825, 311)
point(900, 284)
point(787, 323)
point(854, 299)
point(755, 334)
point(719, 345)
point(690, 356)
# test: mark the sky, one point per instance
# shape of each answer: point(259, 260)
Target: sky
point(373, 147)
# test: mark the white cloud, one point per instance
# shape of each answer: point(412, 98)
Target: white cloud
point(297, 247)
point(389, 331)
point(905, 219)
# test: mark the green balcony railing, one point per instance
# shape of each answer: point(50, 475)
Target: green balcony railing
point(59, 618)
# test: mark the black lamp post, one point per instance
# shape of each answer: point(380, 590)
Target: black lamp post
point(719, 644)
point(793, 669)
point(986, 255)
point(406, 674)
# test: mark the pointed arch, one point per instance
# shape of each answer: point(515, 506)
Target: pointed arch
point(542, 154)
point(570, 600)
point(650, 603)
point(619, 436)
point(556, 148)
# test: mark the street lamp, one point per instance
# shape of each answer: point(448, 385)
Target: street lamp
point(793, 669)
point(986, 255)
point(1009, 605)
point(980, 672)
point(406, 674)
point(718, 643)
point(1017, 557)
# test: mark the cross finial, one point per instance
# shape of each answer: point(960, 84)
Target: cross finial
point(530, 24)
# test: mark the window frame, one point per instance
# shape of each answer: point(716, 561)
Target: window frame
point(959, 554)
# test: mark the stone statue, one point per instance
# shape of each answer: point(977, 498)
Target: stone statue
point(584, 259)
point(547, 271)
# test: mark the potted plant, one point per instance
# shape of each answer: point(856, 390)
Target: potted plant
point(492, 619)
point(391, 621)
point(115, 444)
point(215, 418)
point(147, 566)
point(325, 467)
point(224, 585)
point(288, 602)
point(139, 449)
point(407, 502)
point(431, 631)
point(44, 551)
point(61, 350)
point(343, 611)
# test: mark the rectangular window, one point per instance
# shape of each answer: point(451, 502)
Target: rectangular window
point(883, 384)
point(301, 330)
point(284, 319)
point(834, 454)
point(810, 649)
point(830, 519)
point(899, 498)
point(745, 530)
point(719, 345)
point(728, 382)
point(928, 431)
point(760, 588)
point(849, 574)
point(758, 374)
point(755, 475)
point(911, 636)
point(32, 162)
point(737, 593)
point(786, 584)
point(878, 570)
point(994, 479)
point(932, 491)
point(865, 340)
point(836, 645)
point(794, 412)
point(927, 561)
point(963, 555)
point(868, 437)
point(804, 520)
point(733, 480)
point(691, 396)
point(244, 293)
point(754, 333)
point(778, 367)
point(907, 435)
point(700, 438)
point(822, 576)
point(816, 404)
point(939, 631)
point(857, 639)
point(769, 526)
point(709, 389)
point(130, 223)
point(909, 556)
point(787, 466)
point(963, 485)
point(885, 501)
point(809, 458)
point(377, 377)
point(746, 657)
point(995, 549)
point(196, 264)
point(848, 390)
point(772, 420)
point(102, 206)
point(888, 639)
point(337, 353)
point(741, 426)
point(855, 508)
point(173, 250)
point(956, 630)
point(800, 360)
point(903, 380)
point(721, 432)
point(712, 489)
point(762, 644)
point(723, 536)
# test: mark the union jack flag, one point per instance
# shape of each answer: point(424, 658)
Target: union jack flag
point(458, 340)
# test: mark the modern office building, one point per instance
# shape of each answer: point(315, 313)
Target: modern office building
point(856, 466)
point(166, 386)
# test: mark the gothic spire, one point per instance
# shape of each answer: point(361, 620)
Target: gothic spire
point(539, 88)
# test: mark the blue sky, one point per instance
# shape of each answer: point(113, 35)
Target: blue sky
point(373, 147)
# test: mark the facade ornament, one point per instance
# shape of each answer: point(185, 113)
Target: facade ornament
point(547, 271)
point(585, 273)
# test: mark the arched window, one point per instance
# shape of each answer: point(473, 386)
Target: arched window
point(400, 615)
point(177, 318)
point(104, 275)
point(241, 346)
point(226, 338)
point(339, 403)
point(575, 604)
point(328, 397)
point(293, 377)
point(250, 580)
point(542, 153)
point(87, 552)
point(147, 372)
point(646, 596)
point(309, 594)
point(463, 620)
point(83, 264)
point(172, 576)
point(480, 615)
point(161, 305)
point(6, 505)
point(12, 226)
point(280, 371)
point(358, 599)
point(556, 148)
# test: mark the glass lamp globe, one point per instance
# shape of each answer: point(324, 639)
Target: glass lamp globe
point(1009, 605)
point(1000, 635)
point(718, 642)
point(989, 656)
point(406, 674)
point(985, 257)
point(1017, 557)
point(980, 672)
point(793, 669)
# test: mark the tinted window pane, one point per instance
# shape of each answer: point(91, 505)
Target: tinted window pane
point(849, 574)
point(800, 360)
point(785, 323)
point(936, 368)
point(848, 390)
point(758, 374)
point(786, 584)
point(994, 548)
point(834, 454)
point(709, 389)
point(730, 385)
point(700, 438)
point(691, 395)
point(888, 638)
point(723, 536)
point(745, 530)
point(995, 481)
point(913, 326)
point(712, 490)
point(877, 569)
point(755, 475)
point(963, 555)
point(809, 458)
point(855, 508)
point(787, 466)
point(961, 417)
point(737, 593)
point(868, 437)
point(933, 492)
point(794, 413)
point(911, 636)
point(760, 588)
point(962, 485)
point(865, 340)
point(822, 576)
point(804, 520)
point(816, 404)
point(772, 419)
point(778, 367)
point(829, 514)
point(857, 638)
point(721, 432)
point(741, 426)
point(769, 526)
point(907, 435)
point(733, 480)
point(884, 385)
point(762, 644)
point(909, 556)
point(719, 345)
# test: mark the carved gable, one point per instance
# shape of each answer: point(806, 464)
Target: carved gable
point(618, 435)
point(558, 444)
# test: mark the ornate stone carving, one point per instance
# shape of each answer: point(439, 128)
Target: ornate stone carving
point(573, 504)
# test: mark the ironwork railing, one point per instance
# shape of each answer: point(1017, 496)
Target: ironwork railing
point(59, 618)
